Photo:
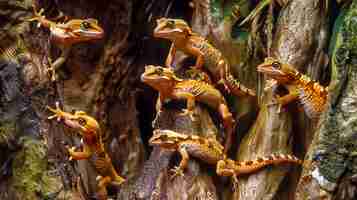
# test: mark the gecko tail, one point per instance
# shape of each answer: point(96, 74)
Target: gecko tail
point(261, 162)
point(277, 159)
point(237, 88)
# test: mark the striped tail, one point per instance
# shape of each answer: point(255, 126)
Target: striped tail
point(248, 167)
point(237, 88)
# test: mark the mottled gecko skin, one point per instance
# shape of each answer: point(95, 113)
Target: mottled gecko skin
point(171, 87)
point(311, 94)
point(64, 35)
point(210, 151)
point(93, 147)
point(182, 38)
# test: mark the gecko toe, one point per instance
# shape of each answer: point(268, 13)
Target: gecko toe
point(177, 171)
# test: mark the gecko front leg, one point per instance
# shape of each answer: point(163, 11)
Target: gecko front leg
point(58, 113)
point(178, 170)
point(161, 99)
point(284, 100)
point(190, 105)
point(79, 155)
point(170, 57)
point(223, 169)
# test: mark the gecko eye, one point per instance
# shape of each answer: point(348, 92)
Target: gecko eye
point(276, 65)
point(91, 21)
point(85, 25)
point(160, 71)
point(170, 23)
point(164, 137)
point(82, 121)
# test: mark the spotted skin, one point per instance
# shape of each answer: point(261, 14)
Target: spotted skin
point(93, 147)
point(171, 87)
point(184, 39)
point(64, 35)
point(211, 152)
point(310, 94)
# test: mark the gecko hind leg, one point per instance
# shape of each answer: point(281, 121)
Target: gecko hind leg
point(103, 181)
point(235, 182)
point(229, 124)
point(177, 171)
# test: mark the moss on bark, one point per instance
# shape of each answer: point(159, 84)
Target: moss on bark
point(31, 174)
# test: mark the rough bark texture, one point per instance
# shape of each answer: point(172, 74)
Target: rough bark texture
point(333, 174)
point(102, 78)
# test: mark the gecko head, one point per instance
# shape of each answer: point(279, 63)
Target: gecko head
point(159, 77)
point(81, 122)
point(276, 70)
point(172, 29)
point(166, 138)
point(83, 30)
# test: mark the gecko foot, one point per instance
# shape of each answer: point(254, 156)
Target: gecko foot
point(154, 122)
point(235, 182)
point(58, 113)
point(71, 151)
point(190, 113)
point(37, 16)
point(177, 171)
point(118, 182)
